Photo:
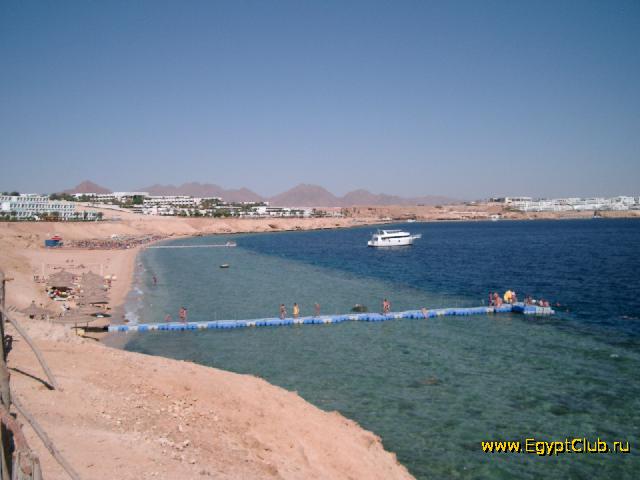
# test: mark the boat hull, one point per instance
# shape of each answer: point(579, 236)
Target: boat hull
point(393, 242)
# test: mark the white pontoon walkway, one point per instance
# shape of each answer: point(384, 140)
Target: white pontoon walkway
point(326, 319)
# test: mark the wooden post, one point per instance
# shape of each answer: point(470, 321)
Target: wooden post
point(26, 465)
point(46, 440)
point(5, 392)
point(36, 350)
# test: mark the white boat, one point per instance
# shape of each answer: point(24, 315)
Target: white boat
point(392, 238)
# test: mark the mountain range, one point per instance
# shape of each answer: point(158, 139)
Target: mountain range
point(303, 195)
point(88, 187)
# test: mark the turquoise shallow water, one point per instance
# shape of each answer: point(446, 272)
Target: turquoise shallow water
point(431, 389)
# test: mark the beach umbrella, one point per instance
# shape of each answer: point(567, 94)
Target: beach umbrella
point(34, 311)
point(92, 279)
point(80, 315)
point(62, 279)
point(92, 295)
point(93, 299)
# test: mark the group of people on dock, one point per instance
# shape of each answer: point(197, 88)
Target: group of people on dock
point(532, 301)
point(296, 310)
point(495, 300)
point(386, 308)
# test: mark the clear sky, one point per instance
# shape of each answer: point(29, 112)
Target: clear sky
point(461, 98)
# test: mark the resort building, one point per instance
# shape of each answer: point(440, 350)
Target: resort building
point(159, 210)
point(283, 212)
point(510, 200)
point(173, 200)
point(25, 207)
point(96, 197)
point(619, 203)
point(110, 197)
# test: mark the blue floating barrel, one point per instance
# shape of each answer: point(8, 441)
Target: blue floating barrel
point(518, 308)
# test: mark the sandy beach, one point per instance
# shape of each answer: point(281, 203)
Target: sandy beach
point(131, 416)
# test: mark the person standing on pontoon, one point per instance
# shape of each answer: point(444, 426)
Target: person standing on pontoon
point(283, 311)
point(497, 301)
point(386, 306)
point(296, 310)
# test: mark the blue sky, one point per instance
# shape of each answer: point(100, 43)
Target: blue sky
point(467, 99)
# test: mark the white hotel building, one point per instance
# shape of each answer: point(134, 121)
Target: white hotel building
point(173, 200)
point(35, 206)
point(620, 203)
point(109, 197)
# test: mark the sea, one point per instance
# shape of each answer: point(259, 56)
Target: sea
point(434, 389)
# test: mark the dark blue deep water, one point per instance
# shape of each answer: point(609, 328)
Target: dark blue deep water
point(432, 389)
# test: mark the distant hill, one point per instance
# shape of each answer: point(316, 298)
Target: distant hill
point(303, 195)
point(196, 189)
point(365, 197)
point(87, 187)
